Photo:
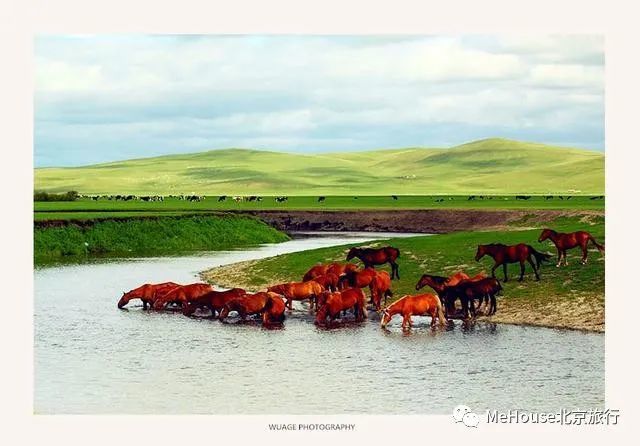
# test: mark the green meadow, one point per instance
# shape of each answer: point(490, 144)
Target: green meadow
point(490, 166)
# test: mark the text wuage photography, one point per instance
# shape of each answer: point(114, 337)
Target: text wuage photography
point(321, 225)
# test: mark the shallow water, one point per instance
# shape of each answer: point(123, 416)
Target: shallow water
point(91, 357)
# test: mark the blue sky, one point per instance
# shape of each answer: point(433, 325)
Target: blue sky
point(109, 97)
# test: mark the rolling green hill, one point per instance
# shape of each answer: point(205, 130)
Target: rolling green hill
point(490, 166)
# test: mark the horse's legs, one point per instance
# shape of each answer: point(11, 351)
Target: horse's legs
point(493, 270)
point(533, 265)
point(584, 253)
point(522, 270)
point(559, 258)
point(144, 304)
point(395, 268)
point(504, 268)
point(494, 305)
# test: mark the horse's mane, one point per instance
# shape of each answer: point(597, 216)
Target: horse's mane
point(438, 279)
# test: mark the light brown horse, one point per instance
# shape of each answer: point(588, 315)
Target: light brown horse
point(182, 295)
point(335, 303)
point(147, 293)
point(213, 300)
point(246, 305)
point(315, 271)
point(418, 305)
point(273, 312)
point(377, 256)
point(298, 291)
point(380, 287)
point(564, 241)
point(341, 268)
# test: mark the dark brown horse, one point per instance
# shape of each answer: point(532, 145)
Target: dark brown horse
point(182, 295)
point(147, 293)
point(470, 290)
point(335, 303)
point(564, 241)
point(213, 300)
point(377, 256)
point(504, 254)
point(419, 305)
point(440, 283)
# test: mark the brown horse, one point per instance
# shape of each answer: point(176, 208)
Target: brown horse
point(419, 305)
point(380, 286)
point(377, 256)
point(273, 312)
point(468, 291)
point(213, 300)
point(147, 293)
point(359, 278)
point(440, 283)
point(341, 268)
point(182, 295)
point(298, 291)
point(315, 271)
point(503, 254)
point(246, 305)
point(335, 303)
point(564, 241)
point(327, 281)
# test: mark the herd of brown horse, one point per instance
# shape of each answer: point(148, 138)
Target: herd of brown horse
point(334, 289)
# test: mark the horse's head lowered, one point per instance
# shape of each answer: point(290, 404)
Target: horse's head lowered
point(481, 252)
point(546, 233)
point(126, 297)
point(386, 317)
point(353, 252)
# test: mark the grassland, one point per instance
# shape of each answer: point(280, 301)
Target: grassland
point(491, 166)
point(157, 236)
point(570, 297)
point(86, 209)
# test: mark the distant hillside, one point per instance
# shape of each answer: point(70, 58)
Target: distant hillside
point(490, 166)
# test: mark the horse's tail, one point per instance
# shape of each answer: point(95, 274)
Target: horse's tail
point(597, 245)
point(387, 293)
point(441, 317)
point(539, 256)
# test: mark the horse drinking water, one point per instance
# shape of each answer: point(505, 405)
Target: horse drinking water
point(419, 305)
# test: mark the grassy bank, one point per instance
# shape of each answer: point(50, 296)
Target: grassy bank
point(157, 236)
point(568, 297)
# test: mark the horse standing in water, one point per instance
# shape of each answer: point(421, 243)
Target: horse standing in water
point(147, 293)
point(380, 287)
point(377, 256)
point(440, 283)
point(503, 254)
point(273, 311)
point(246, 305)
point(182, 295)
point(298, 291)
point(332, 304)
point(213, 300)
point(419, 305)
point(468, 291)
point(564, 241)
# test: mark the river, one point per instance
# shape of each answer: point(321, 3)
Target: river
point(91, 358)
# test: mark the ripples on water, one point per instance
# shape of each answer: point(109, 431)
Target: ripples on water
point(91, 357)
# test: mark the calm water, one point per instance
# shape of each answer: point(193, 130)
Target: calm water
point(91, 357)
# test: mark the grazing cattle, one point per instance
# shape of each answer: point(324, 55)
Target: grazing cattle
point(246, 305)
point(418, 305)
point(523, 197)
point(395, 197)
point(222, 198)
point(503, 254)
point(281, 199)
point(564, 241)
point(377, 256)
point(468, 291)
point(300, 291)
point(213, 300)
point(147, 293)
point(321, 199)
point(182, 295)
point(237, 199)
point(333, 304)
point(471, 197)
point(548, 197)
point(439, 200)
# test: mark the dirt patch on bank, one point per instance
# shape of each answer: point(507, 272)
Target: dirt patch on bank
point(432, 221)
